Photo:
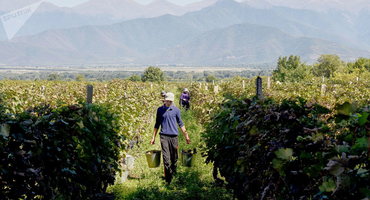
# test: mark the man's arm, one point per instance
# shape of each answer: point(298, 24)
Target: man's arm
point(156, 126)
point(183, 129)
point(154, 134)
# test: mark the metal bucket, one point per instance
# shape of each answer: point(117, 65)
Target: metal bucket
point(154, 158)
point(188, 158)
point(129, 161)
point(122, 179)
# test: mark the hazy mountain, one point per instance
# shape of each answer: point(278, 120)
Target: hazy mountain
point(129, 9)
point(94, 12)
point(10, 5)
point(258, 3)
point(328, 26)
point(354, 6)
point(115, 9)
point(169, 38)
point(248, 43)
point(161, 7)
point(200, 5)
point(170, 43)
point(49, 16)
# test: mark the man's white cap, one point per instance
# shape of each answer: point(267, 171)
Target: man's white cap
point(186, 90)
point(169, 97)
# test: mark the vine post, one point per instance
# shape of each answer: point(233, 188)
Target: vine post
point(259, 87)
point(268, 82)
point(89, 94)
point(323, 89)
point(43, 89)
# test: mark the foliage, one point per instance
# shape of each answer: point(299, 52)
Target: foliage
point(54, 77)
point(133, 101)
point(80, 78)
point(327, 65)
point(210, 78)
point(134, 78)
point(133, 104)
point(269, 150)
point(292, 70)
point(153, 74)
point(69, 150)
point(246, 136)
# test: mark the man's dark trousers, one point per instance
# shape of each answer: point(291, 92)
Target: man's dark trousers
point(169, 145)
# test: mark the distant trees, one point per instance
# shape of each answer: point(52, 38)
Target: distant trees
point(54, 77)
point(288, 69)
point(80, 78)
point(291, 69)
point(327, 65)
point(360, 66)
point(153, 74)
point(210, 78)
point(134, 78)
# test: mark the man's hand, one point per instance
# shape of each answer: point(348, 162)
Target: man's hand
point(187, 140)
point(154, 134)
point(183, 129)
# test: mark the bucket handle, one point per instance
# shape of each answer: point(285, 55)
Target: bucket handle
point(158, 146)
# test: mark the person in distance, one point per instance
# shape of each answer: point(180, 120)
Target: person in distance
point(168, 117)
point(185, 99)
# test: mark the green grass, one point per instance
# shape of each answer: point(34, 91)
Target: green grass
point(190, 182)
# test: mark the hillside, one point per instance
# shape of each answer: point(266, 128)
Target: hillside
point(248, 43)
point(242, 43)
point(147, 40)
point(94, 12)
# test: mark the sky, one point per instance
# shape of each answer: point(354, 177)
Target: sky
point(71, 3)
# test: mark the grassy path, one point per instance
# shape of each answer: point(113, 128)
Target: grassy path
point(190, 183)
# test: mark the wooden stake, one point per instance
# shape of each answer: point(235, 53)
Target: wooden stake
point(89, 94)
point(323, 89)
point(216, 89)
point(259, 87)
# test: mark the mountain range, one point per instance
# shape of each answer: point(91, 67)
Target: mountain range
point(93, 12)
point(353, 6)
point(226, 32)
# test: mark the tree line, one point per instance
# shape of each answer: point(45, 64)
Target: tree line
point(152, 74)
point(330, 66)
point(288, 69)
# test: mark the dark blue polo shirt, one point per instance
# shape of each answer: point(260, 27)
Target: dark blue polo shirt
point(168, 118)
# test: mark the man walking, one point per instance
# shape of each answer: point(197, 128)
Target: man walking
point(168, 117)
point(185, 99)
